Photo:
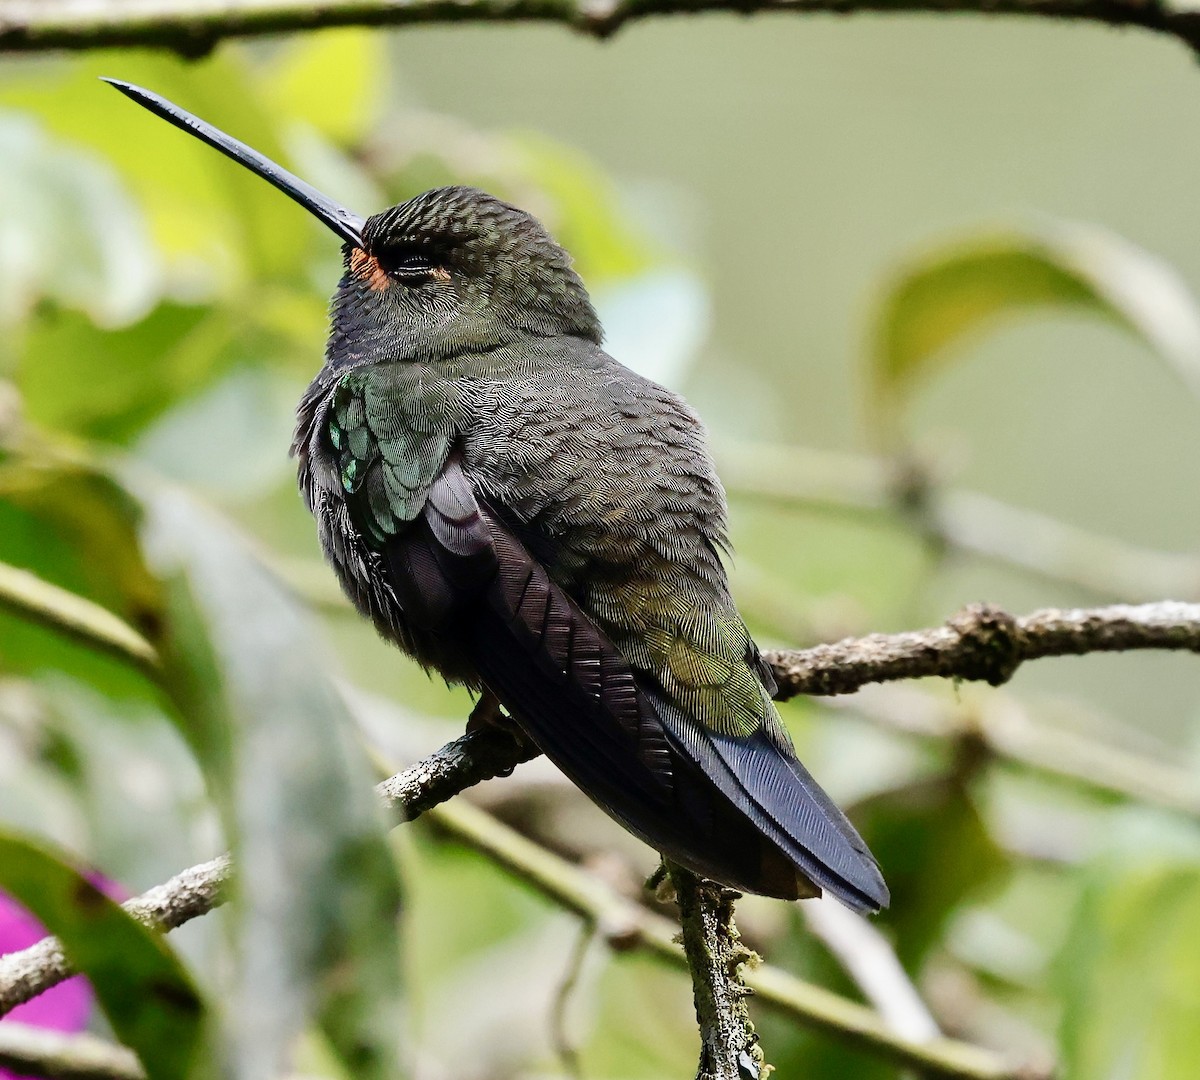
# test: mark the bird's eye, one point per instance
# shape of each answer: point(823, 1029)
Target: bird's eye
point(407, 264)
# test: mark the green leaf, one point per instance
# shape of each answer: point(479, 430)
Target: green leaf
point(144, 990)
point(69, 231)
point(333, 81)
point(217, 225)
point(1128, 968)
point(951, 295)
point(318, 893)
point(108, 385)
point(73, 527)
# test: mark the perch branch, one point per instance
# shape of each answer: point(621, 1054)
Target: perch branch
point(622, 924)
point(194, 27)
point(715, 954)
point(979, 643)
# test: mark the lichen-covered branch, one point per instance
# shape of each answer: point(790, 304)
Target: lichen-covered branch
point(469, 760)
point(715, 954)
point(194, 27)
point(979, 643)
point(986, 644)
point(195, 891)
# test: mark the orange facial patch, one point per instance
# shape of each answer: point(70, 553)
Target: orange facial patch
point(366, 268)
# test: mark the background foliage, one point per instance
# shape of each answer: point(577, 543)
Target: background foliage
point(820, 248)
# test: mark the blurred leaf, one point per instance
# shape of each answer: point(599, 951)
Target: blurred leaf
point(216, 224)
point(1128, 968)
point(68, 231)
point(574, 199)
point(77, 378)
point(588, 222)
point(334, 81)
point(936, 852)
point(145, 992)
point(318, 889)
point(254, 410)
point(73, 527)
point(956, 292)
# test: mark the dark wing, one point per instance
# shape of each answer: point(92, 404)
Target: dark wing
point(460, 568)
point(731, 804)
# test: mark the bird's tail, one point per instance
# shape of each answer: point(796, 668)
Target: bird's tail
point(763, 779)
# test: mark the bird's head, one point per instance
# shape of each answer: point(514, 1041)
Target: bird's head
point(451, 271)
point(456, 270)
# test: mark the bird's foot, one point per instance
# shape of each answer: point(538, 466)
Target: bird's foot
point(488, 713)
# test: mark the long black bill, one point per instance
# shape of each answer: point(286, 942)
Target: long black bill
point(347, 225)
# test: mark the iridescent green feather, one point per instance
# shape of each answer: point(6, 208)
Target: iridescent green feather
point(389, 429)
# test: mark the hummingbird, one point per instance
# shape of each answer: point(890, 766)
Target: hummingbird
point(524, 515)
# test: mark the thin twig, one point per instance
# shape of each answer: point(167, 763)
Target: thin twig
point(35, 1051)
point(195, 891)
point(564, 1046)
point(869, 959)
point(194, 27)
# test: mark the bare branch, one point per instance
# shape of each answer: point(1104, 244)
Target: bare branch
point(193, 27)
point(978, 643)
point(621, 923)
point(35, 1051)
point(467, 761)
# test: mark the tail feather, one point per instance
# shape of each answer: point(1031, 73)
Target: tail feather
point(762, 777)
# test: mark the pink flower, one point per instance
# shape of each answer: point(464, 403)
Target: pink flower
point(65, 1007)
